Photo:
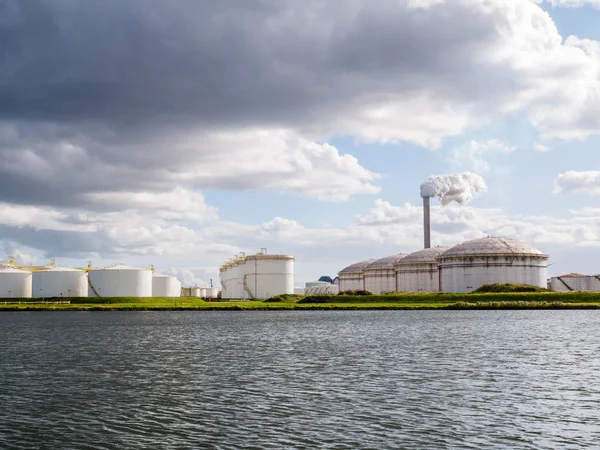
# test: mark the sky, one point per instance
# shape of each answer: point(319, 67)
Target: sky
point(179, 134)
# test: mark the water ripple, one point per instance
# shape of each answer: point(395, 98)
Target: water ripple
point(272, 380)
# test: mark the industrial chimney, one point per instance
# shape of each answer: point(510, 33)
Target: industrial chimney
point(426, 222)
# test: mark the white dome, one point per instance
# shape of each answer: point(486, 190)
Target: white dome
point(425, 256)
point(357, 267)
point(385, 263)
point(493, 246)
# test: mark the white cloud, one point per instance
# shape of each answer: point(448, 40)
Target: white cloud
point(573, 182)
point(541, 147)
point(573, 3)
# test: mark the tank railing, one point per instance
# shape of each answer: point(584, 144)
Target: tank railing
point(246, 288)
point(93, 288)
point(563, 282)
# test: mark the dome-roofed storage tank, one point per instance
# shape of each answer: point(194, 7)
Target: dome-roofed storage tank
point(120, 281)
point(60, 282)
point(15, 283)
point(489, 260)
point(380, 275)
point(352, 278)
point(418, 271)
point(268, 275)
point(202, 292)
point(165, 285)
point(234, 285)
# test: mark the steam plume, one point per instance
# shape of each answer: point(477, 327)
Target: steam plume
point(453, 188)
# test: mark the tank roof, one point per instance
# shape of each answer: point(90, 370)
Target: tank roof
point(61, 269)
point(385, 263)
point(357, 267)
point(265, 256)
point(12, 270)
point(119, 267)
point(424, 256)
point(494, 246)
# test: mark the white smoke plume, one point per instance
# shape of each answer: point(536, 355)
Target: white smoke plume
point(457, 187)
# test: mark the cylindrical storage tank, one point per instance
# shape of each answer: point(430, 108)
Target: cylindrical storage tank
point(223, 281)
point(15, 283)
point(352, 278)
point(234, 286)
point(490, 260)
point(242, 281)
point(120, 281)
point(418, 271)
point(202, 292)
point(60, 282)
point(165, 286)
point(269, 275)
point(195, 292)
point(311, 284)
point(212, 292)
point(380, 275)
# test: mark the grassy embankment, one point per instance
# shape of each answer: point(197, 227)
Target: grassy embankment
point(525, 300)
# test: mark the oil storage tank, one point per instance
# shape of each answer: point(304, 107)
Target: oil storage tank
point(120, 281)
point(165, 285)
point(418, 271)
point(268, 275)
point(489, 260)
point(15, 283)
point(60, 282)
point(352, 278)
point(380, 275)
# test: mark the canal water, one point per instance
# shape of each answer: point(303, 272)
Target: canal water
point(314, 379)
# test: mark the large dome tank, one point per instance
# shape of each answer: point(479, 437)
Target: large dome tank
point(418, 271)
point(15, 283)
point(268, 275)
point(120, 281)
point(352, 278)
point(489, 260)
point(60, 282)
point(380, 275)
point(223, 280)
point(165, 286)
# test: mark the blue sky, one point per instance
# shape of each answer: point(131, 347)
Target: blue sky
point(190, 133)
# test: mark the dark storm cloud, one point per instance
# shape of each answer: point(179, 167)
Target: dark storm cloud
point(59, 243)
point(222, 63)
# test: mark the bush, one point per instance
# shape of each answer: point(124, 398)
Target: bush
point(362, 292)
point(288, 298)
point(508, 287)
point(316, 299)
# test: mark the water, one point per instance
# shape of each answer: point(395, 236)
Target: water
point(319, 379)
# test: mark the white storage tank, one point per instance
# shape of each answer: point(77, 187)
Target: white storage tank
point(60, 282)
point(202, 292)
point(15, 283)
point(165, 286)
point(418, 271)
point(380, 275)
point(268, 275)
point(223, 280)
point(120, 281)
point(212, 292)
point(323, 289)
point(490, 260)
point(352, 278)
point(234, 286)
point(195, 292)
point(242, 288)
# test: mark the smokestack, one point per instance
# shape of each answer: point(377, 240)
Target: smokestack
point(426, 222)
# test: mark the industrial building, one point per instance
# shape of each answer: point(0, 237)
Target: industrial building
point(257, 276)
point(489, 260)
point(418, 271)
point(380, 275)
point(352, 278)
point(575, 282)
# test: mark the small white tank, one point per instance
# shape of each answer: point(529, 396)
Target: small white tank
point(165, 286)
point(60, 282)
point(202, 292)
point(212, 292)
point(120, 281)
point(15, 283)
point(195, 292)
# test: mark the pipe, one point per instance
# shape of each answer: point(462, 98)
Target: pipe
point(426, 222)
